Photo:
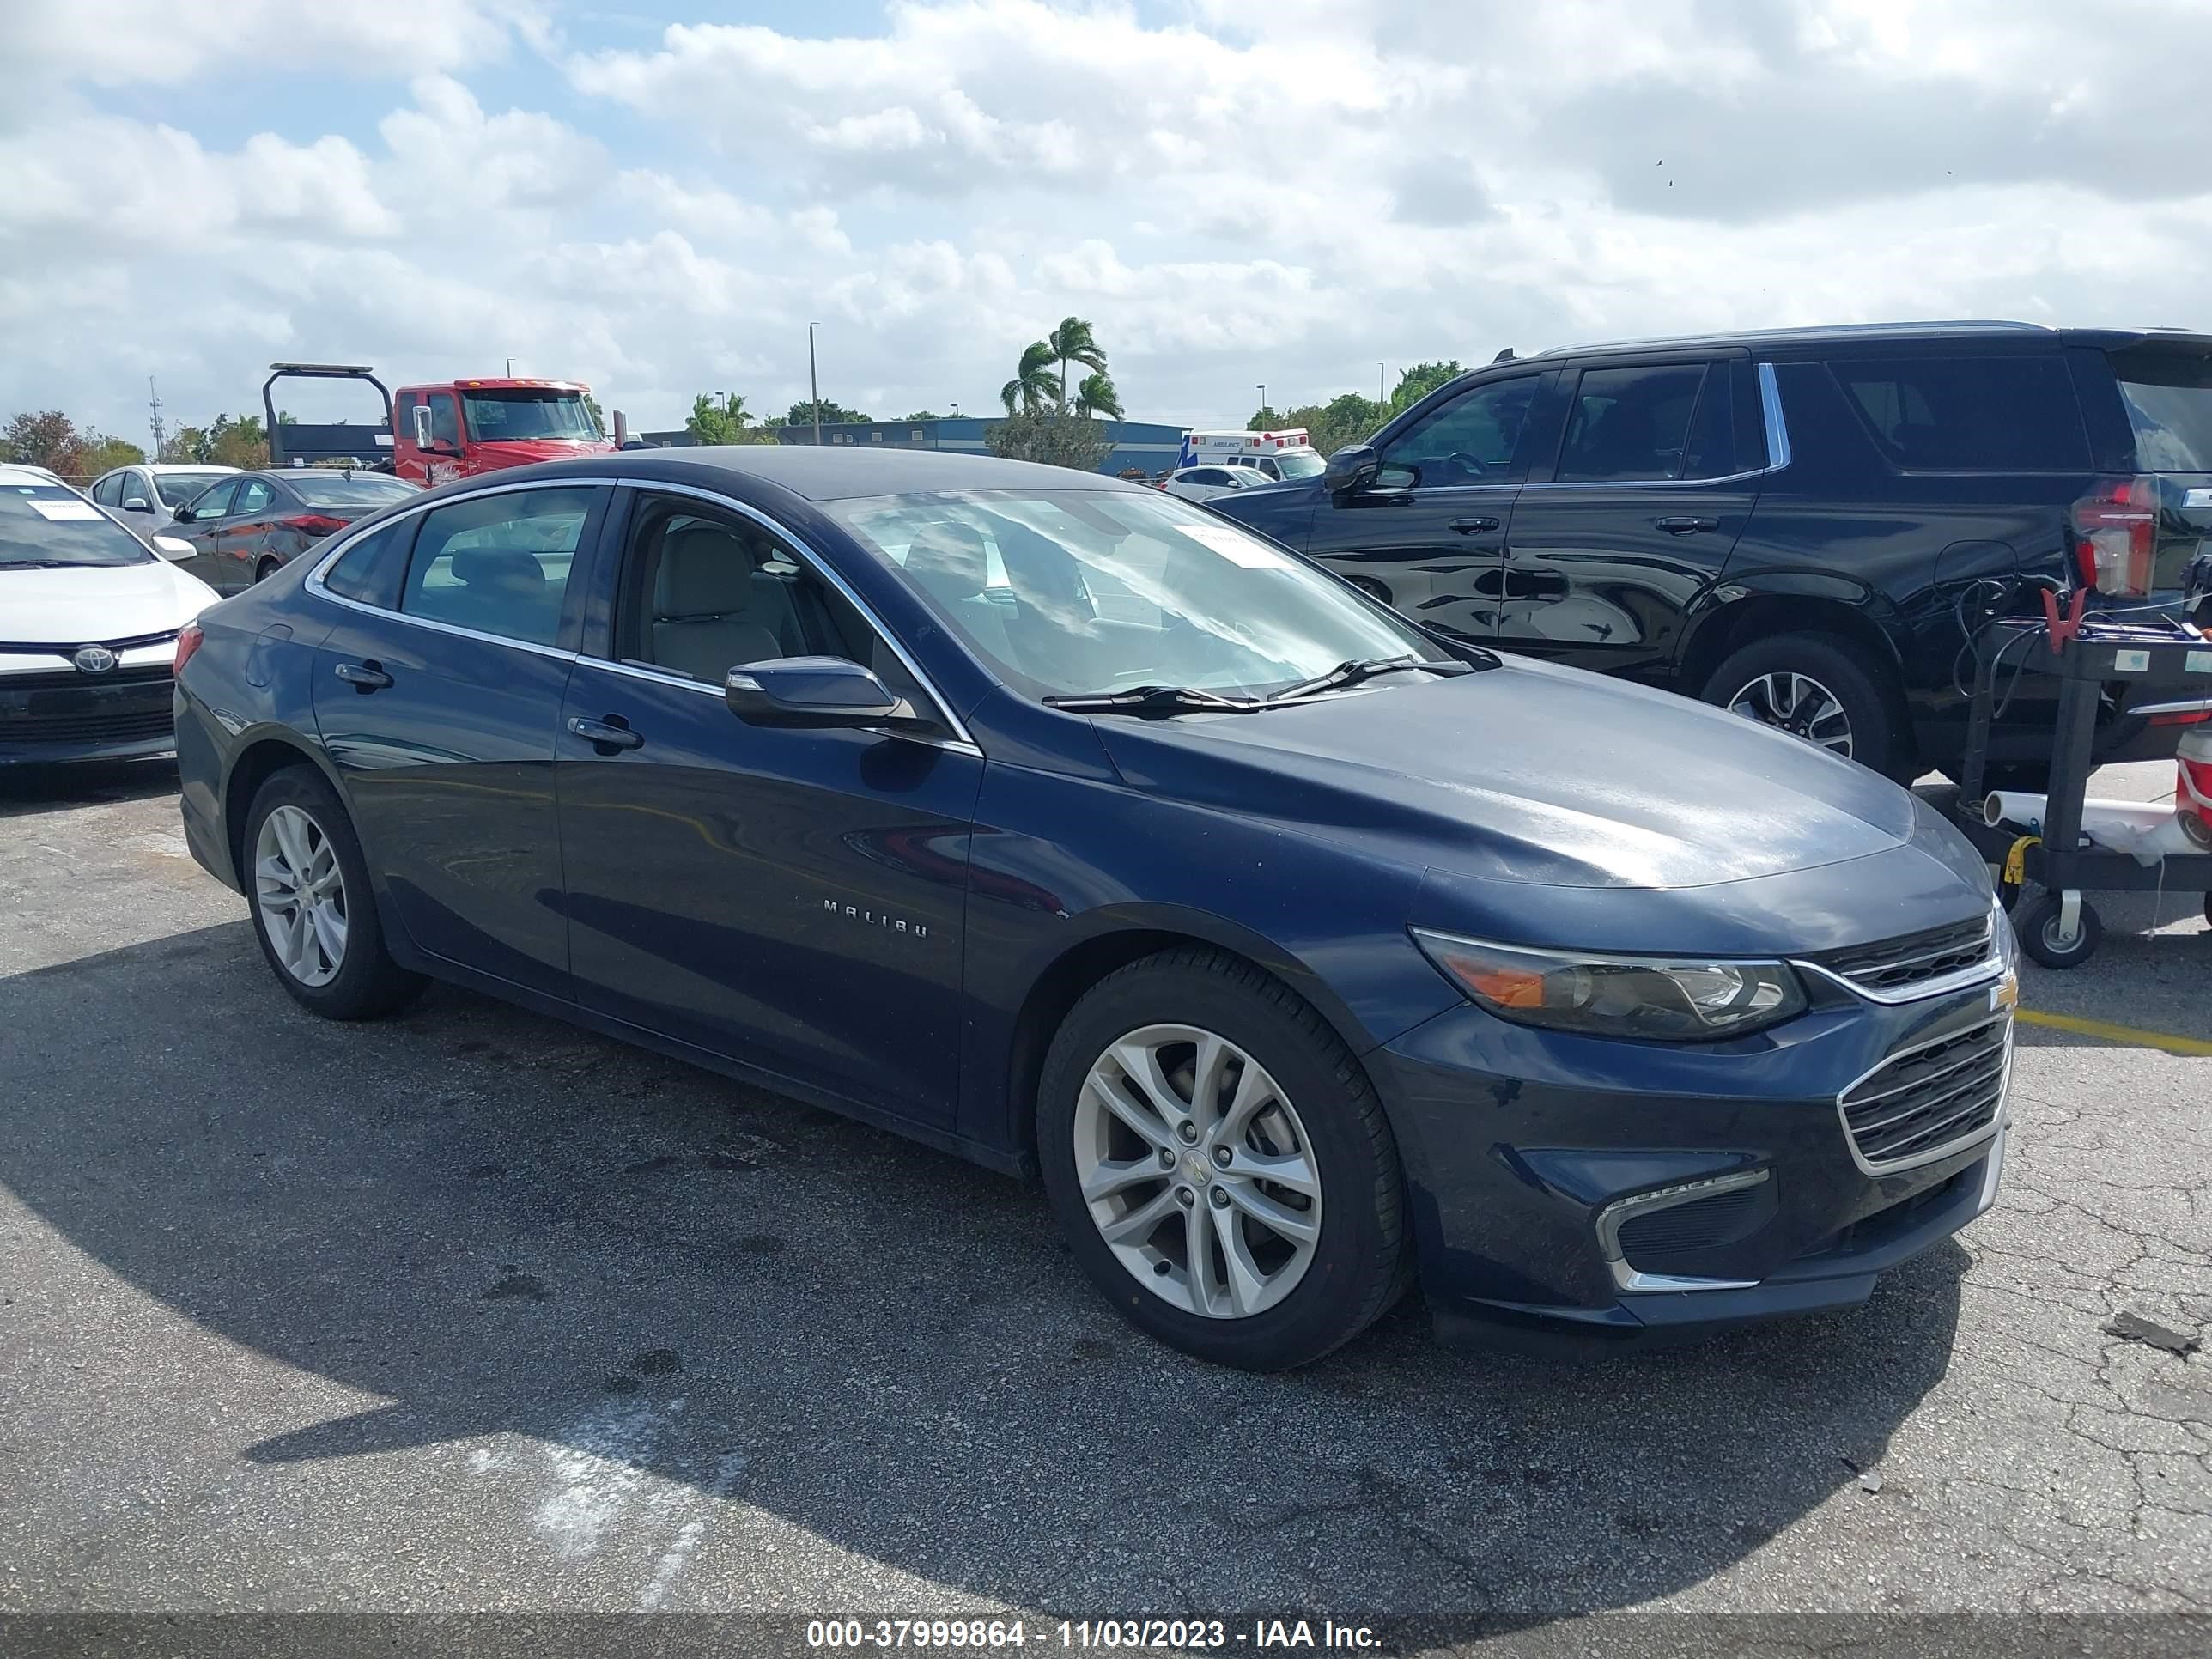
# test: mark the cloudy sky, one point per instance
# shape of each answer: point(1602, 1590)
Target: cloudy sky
point(657, 201)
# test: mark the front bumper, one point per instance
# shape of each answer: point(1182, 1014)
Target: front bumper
point(1526, 1148)
point(68, 716)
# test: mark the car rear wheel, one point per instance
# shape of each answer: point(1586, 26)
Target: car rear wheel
point(308, 885)
point(1220, 1164)
point(266, 568)
point(1817, 688)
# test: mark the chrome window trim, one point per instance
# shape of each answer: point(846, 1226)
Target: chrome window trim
point(952, 721)
point(1613, 1216)
point(1995, 1126)
point(1777, 428)
point(684, 682)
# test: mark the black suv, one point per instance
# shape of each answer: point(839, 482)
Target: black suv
point(1804, 526)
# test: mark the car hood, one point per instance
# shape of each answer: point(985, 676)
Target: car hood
point(1530, 773)
point(84, 603)
point(521, 452)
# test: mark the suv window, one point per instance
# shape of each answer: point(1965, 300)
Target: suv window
point(2168, 393)
point(498, 564)
point(1970, 413)
point(1470, 440)
point(372, 569)
point(1631, 423)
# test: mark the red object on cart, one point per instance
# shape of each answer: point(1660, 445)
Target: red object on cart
point(2192, 787)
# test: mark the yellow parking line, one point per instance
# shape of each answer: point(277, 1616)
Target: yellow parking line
point(2133, 1035)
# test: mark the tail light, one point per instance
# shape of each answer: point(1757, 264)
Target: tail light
point(188, 641)
point(2185, 717)
point(2116, 536)
point(314, 524)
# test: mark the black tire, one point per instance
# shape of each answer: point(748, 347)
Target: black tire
point(1360, 1264)
point(266, 568)
point(1876, 729)
point(2036, 922)
point(369, 983)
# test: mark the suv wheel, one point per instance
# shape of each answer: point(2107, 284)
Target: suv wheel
point(1817, 688)
point(308, 885)
point(1219, 1163)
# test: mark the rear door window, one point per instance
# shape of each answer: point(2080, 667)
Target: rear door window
point(1631, 423)
point(499, 564)
point(1969, 414)
point(2168, 394)
point(253, 496)
point(214, 502)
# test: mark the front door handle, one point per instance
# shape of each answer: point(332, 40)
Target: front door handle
point(606, 735)
point(1468, 526)
point(1685, 526)
point(363, 676)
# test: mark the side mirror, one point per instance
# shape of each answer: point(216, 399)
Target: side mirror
point(811, 691)
point(182, 515)
point(1352, 468)
point(138, 504)
point(173, 547)
point(422, 426)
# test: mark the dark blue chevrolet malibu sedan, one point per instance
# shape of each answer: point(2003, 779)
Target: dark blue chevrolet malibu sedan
point(1062, 824)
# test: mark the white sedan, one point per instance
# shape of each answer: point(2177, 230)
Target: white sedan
point(1203, 483)
point(89, 620)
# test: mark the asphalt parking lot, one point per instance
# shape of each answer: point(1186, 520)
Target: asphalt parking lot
point(473, 1311)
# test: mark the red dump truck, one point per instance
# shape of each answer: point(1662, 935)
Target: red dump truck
point(431, 435)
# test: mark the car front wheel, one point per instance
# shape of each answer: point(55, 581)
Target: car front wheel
point(1220, 1164)
point(308, 885)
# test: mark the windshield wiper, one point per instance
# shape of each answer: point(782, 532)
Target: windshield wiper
point(1351, 673)
point(1156, 702)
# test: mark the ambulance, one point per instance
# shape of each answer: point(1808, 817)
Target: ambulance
point(1283, 454)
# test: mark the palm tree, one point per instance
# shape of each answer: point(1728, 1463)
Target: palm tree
point(1032, 385)
point(1073, 343)
point(1097, 396)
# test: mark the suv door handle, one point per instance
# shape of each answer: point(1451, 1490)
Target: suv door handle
point(1684, 526)
point(1468, 526)
point(363, 676)
point(605, 736)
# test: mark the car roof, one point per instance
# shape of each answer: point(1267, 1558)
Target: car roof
point(1870, 334)
point(832, 472)
point(23, 472)
point(182, 467)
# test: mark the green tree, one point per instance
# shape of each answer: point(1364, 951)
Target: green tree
point(723, 421)
point(104, 454)
point(1266, 418)
point(1032, 387)
point(47, 438)
point(1417, 382)
point(833, 414)
point(922, 414)
point(1073, 342)
point(238, 441)
point(1048, 435)
point(1096, 397)
point(591, 404)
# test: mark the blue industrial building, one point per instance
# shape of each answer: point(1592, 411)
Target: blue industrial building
point(1147, 446)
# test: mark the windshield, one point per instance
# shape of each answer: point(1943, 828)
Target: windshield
point(175, 489)
point(48, 524)
point(327, 489)
point(2169, 398)
point(1300, 463)
point(1073, 593)
point(497, 415)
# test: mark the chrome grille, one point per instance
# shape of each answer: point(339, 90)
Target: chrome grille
point(1928, 1100)
point(1897, 965)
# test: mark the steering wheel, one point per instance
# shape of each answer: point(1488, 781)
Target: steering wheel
point(1467, 463)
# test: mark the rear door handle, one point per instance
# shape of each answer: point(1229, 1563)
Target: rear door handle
point(606, 735)
point(1684, 526)
point(1468, 526)
point(362, 676)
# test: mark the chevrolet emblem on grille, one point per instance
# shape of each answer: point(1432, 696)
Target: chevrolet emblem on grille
point(94, 660)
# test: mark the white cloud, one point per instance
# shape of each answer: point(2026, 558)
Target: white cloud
point(1285, 193)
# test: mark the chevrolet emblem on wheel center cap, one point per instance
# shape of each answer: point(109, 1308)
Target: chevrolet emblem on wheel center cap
point(94, 660)
point(1195, 1166)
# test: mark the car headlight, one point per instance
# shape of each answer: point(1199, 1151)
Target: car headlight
point(1660, 999)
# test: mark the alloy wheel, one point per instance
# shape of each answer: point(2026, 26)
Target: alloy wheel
point(1197, 1171)
point(1798, 704)
point(302, 896)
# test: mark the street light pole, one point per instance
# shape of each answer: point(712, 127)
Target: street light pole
point(814, 386)
point(1263, 396)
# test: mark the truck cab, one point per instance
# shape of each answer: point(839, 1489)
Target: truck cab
point(457, 428)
